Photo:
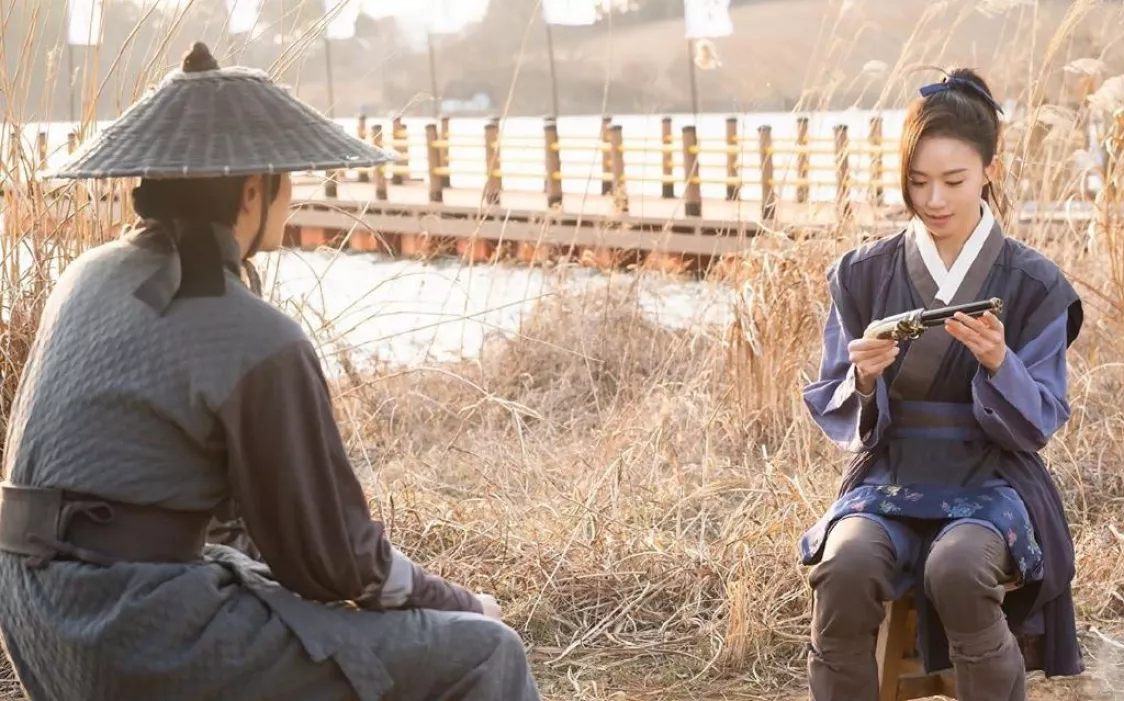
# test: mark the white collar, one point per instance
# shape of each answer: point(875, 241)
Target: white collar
point(949, 280)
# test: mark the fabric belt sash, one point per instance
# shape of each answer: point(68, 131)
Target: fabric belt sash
point(47, 524)
point(938, 420)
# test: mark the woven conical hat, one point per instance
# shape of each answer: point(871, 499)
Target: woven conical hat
point(221, 122)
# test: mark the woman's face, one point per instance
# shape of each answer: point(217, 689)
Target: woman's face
point(946, 181)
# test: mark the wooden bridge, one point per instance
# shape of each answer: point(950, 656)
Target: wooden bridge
point(622, 219)
point(603, 198)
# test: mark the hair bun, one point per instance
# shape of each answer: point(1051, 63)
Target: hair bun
point(199, 59)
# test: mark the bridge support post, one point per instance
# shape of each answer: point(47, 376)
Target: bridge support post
point(667, 162)
point(803, 166)
point(494, 183)
point(842, 171)
point(553, 161)
point(733, 181)
point(876, 170)
point(361, 133)
point(436, 175)
point(620, 189)
point(692, 206)
point(379, 171)
point(448, 177)
point(606, 156)
point(400, 141)
point(768, 176)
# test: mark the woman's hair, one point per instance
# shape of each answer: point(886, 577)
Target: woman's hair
point(197, 199)
point(960, 107)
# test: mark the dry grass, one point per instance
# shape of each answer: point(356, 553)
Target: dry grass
point(634, 494)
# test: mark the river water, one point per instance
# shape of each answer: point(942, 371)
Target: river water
point(406, 313)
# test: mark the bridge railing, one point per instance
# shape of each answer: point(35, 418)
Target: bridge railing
point(768, 170)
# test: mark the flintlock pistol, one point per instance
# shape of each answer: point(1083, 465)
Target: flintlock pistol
point(910, 325)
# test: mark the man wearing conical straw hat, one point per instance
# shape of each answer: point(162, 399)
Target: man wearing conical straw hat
point(162, 394)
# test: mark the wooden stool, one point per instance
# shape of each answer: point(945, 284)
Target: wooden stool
point(901, 672)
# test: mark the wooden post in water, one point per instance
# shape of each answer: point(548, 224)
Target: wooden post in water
point(842, 171)
point(494, 183)
point(436, 172)
point(620, 190)
point(692, 207)
point(379, 171)
point(400, 141)
point(552, 158)
point(733, 189)
point(606, 156)
point(667, 160)
point(876, 170)
point(803, 168)
point(768, 174)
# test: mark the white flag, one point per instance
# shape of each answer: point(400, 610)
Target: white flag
point(452, 16)
point(83, 22)
point(577, 13)
point(379, 9)
point(244, 15)
point(706, 19)
point(342, 17)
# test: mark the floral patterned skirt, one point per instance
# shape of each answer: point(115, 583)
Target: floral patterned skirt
point(938, 505)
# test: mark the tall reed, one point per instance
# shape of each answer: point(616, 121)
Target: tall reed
point(631, 492)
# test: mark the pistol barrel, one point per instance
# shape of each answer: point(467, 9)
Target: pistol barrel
point(911, 324)
point(933, 317)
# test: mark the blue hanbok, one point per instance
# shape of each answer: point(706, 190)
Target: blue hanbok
point(941, 441)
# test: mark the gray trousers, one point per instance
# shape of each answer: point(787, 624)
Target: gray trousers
point(430, 656)
point(964, 573)
point(441, 656)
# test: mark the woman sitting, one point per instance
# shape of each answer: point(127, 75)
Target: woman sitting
point(947, 492)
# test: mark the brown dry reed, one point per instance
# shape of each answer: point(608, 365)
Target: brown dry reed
point(631, 493)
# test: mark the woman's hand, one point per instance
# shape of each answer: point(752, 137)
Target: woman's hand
point(983, 336)
point(871, 357)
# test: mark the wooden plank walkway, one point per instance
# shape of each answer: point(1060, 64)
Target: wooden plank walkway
point(652, 225)
point(744, 212)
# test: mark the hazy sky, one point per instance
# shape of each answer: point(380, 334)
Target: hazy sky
point(458, 11)
point(415, 18)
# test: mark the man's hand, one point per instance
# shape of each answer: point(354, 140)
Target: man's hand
point(871, 357)
point(983, 336)
point(491, 608)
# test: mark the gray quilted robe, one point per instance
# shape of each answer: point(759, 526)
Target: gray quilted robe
point(210, 399)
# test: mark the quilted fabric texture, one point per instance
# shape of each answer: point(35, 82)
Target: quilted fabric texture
point(225, 122)
point(137, 426)
point(120, 401)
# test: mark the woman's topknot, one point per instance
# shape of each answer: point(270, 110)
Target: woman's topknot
point(980, 90)
point(199, 59)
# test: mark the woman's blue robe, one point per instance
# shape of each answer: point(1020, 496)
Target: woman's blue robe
point(941, 441)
